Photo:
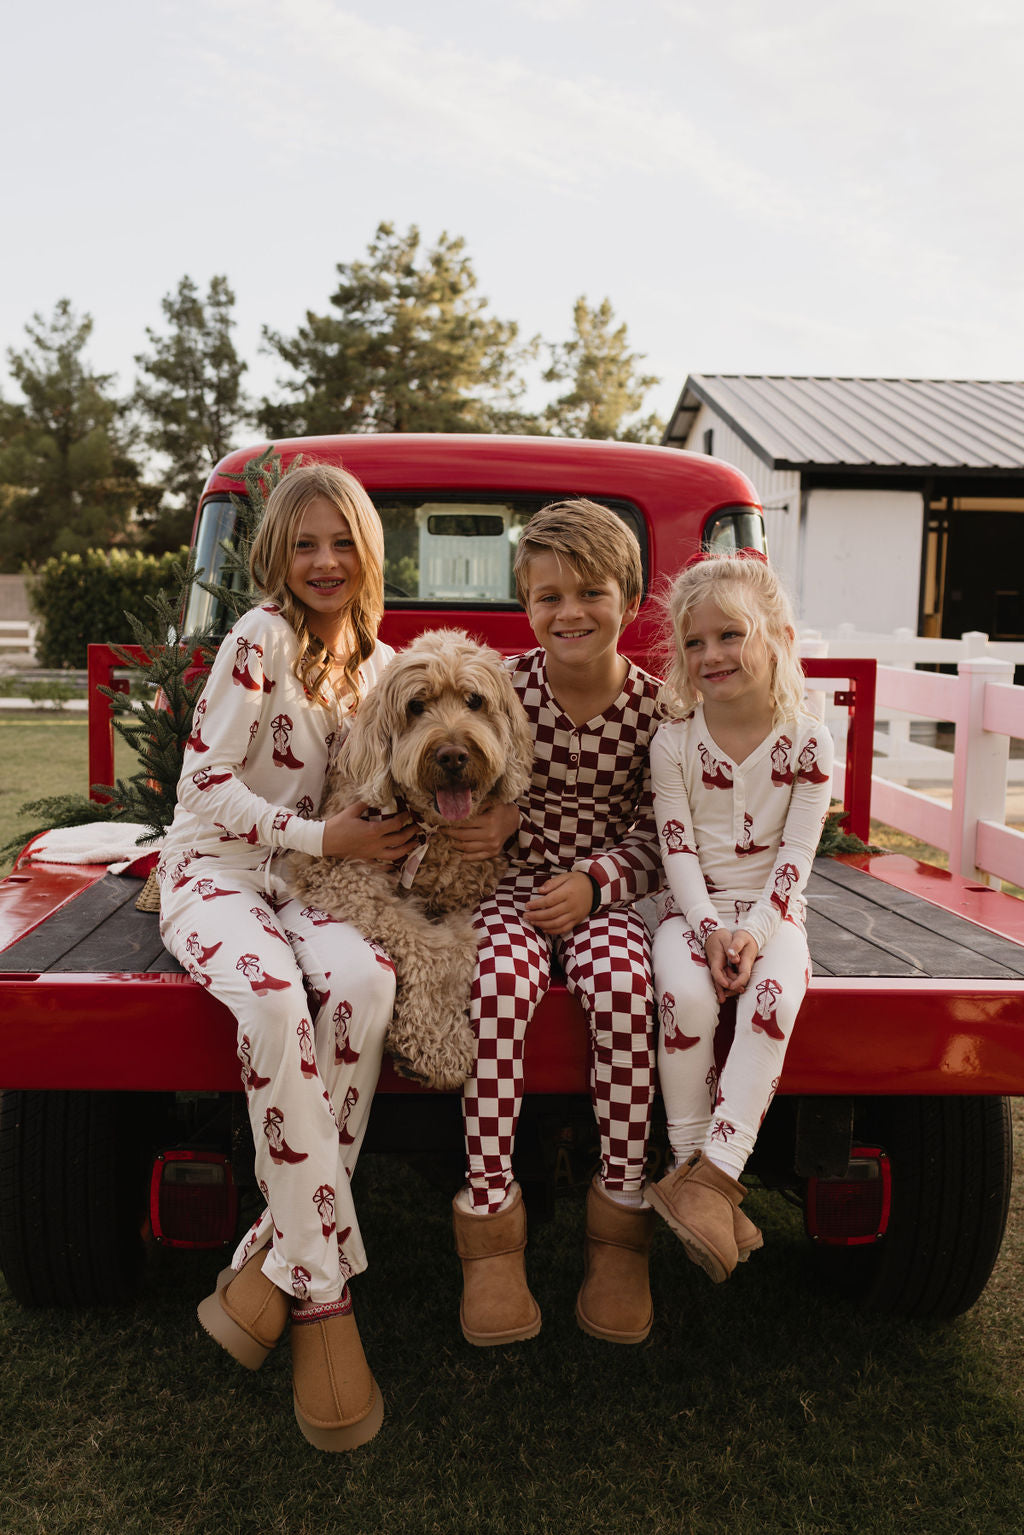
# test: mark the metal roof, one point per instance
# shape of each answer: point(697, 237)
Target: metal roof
point(864, 423)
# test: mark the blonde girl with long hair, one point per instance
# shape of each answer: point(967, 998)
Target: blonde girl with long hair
point(741, 774)
point(310, 997)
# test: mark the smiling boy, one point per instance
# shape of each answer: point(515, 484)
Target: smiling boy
point(585, 851)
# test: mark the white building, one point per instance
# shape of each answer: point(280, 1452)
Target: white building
point(889, 503)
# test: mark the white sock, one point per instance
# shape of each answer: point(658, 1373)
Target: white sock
point(464, 1201)
point(631, 1200)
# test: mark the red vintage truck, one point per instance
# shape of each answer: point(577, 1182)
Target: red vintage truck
point(121, 1117)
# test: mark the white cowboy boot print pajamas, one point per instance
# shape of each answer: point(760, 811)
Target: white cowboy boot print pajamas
point(311, 998)
point(738, 841)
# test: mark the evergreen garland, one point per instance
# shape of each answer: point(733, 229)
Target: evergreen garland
point(835, 840)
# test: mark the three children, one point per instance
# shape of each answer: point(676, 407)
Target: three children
point(726, 800)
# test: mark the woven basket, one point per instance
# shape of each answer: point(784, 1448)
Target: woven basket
point(149, 895)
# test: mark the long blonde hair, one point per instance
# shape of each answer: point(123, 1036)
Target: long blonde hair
point(748, 591)
point(271, 559)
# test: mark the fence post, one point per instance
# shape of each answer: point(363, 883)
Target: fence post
point(975, 643)
point(980, 760)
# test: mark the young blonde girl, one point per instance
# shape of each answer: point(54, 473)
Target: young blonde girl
point(741, 776)
point(311, 999)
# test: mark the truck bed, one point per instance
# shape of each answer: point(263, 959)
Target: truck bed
point(912, 993)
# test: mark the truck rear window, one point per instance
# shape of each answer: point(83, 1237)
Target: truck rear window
point(442, 549)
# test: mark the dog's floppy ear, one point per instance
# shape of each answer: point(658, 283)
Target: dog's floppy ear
point(367, 748)
point(515, 779)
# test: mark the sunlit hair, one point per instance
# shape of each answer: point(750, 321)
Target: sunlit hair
point(323, 676)
point(591, 539)
point(748, 592)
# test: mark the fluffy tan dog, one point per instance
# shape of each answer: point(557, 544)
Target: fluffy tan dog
point(444, 732)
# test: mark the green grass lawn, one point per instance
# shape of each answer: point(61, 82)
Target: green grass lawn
point(759, 1405)
point(43, 755)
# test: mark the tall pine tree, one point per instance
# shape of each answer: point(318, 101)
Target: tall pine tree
point(606, 392)
point(189, 390)
point(67, 480)
point(409, 347)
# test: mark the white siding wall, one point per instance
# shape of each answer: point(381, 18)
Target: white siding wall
point(778, 491)
point(862, 559)
point(859, 561)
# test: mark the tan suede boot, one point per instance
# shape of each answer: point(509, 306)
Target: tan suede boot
point(338, 1405)
point(699, 1202)
point(497, 1306)
point(247, 1313)
point(614, 1302)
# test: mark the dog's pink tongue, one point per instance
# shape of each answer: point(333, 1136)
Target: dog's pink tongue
point(455, 804)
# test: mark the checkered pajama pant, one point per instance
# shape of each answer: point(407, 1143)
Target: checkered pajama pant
point(607, 967)
point(717, 1093)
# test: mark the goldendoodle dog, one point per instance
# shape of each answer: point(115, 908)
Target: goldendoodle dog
point(444, 733)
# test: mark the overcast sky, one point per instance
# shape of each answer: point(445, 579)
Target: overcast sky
point(758, 186)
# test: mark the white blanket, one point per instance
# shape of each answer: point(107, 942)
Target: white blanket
point(115, 843)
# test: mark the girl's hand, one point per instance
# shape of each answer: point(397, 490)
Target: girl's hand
point(716, 952)
point(561, 903)
point(730, 958)
point(347, 835)
point(483, 836)
point(741, 955)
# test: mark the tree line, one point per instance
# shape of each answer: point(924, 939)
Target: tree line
point(406, 344)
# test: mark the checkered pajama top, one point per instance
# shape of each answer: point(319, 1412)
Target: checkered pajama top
point(589, 805)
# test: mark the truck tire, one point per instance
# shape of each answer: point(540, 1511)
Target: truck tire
point(72, 1196)
point(951, 1161)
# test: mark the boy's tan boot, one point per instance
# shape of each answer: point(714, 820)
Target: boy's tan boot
point(614, 1302)
point(699, 1201)
point(497, 1306)
point(338, 1405)
point(247, 1312)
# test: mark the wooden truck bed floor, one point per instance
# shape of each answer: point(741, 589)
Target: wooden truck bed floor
point(908, 996)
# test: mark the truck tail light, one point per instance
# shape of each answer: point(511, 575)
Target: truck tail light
point(853, 1210)
point(193, 1199)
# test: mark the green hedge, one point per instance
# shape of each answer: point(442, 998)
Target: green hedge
point(81, 599)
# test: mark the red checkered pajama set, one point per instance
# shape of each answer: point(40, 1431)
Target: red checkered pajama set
point(588, 808)
point(311, 998)
point(738, 841)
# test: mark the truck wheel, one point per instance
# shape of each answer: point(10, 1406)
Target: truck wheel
point(951, 1161)
point(72, 1196)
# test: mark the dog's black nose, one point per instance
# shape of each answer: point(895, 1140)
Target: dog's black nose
point(452, 759)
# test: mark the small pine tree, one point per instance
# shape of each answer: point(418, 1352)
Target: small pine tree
point(259, 477)
point(169, 677)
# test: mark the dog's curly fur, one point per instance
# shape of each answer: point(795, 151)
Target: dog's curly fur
point(444, 732)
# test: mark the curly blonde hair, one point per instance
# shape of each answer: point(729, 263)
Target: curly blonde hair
point(324, 676)
point(749, 592)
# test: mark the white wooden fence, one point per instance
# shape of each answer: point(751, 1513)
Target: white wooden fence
point(966, 812)
point(18, 635)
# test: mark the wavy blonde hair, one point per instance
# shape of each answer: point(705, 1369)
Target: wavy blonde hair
point(323, 675)
point(749, 592)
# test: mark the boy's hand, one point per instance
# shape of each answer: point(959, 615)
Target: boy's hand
point(730, 958)
point(483, 836)
point(561, 903)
